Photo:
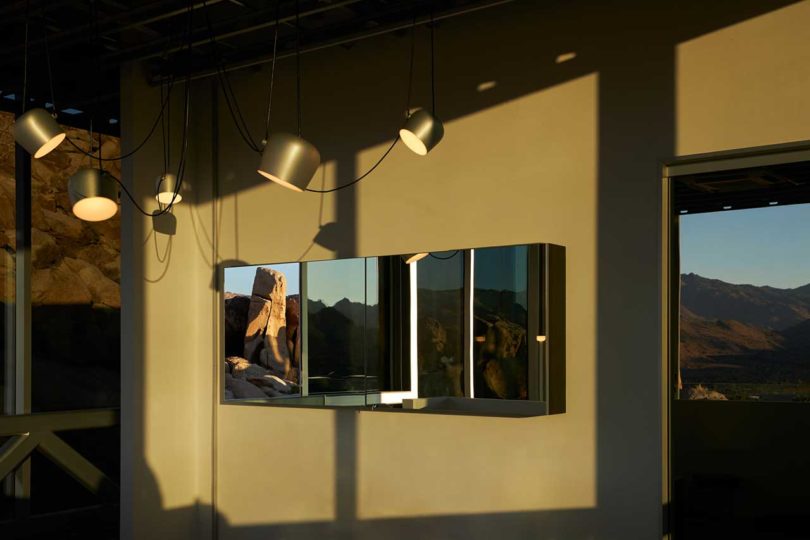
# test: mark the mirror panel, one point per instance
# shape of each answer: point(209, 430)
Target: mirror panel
point(429, 330)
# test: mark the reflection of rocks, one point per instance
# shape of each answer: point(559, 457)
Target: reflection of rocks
point(236, 314)
point(700, 392)
point(440, 365)
point(242, 389)
point(502, 357)
point(239, 369)
point(293, 325)
point(262, 341)
point(266, 334)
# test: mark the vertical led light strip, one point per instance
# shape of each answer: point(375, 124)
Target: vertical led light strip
point(469, 328)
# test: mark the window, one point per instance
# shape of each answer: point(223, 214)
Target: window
point(744, 284)
point(368, 331)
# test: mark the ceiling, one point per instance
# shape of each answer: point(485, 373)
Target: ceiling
point(737, 189)
point(88, 40)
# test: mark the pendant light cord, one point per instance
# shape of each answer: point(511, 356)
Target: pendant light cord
point(432, 60)
point(396, 139)
point(25, 56)
point(48, 63)
point(225, 84)
point(272, 76)
point(298, 64)
point(447, 258)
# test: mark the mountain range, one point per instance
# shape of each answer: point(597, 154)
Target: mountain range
point(743, 333)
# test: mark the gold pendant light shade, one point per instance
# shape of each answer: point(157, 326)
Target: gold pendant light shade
point(289, 160)
point(422, 132)
point(167, 191)
point(37, 132)
point(93, 194)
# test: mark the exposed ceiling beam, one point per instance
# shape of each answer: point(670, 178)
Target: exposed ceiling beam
point(395, 27)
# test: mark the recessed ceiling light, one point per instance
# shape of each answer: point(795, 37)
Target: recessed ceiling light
point(565, 57)
point(71, 110)
point(727, 207)
point(773, 203)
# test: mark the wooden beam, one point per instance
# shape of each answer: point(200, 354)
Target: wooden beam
point(15, 451)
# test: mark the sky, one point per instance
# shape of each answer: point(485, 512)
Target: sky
point(239, 279)
point(331, 281)
point(758, 246)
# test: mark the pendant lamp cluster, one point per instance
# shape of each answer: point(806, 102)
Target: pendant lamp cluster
point(93, 192)
point(291, 161)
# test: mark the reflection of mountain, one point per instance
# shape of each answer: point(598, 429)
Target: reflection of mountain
point(338, 336)
point(743, 333)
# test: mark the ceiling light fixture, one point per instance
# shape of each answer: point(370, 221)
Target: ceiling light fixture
point(167, 189)
point(93, 194)
point(36, 130)
point(288, 160)
point(423, 130)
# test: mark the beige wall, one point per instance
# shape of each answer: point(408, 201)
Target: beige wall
point(566, 153)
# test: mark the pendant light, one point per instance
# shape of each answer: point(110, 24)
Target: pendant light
point(167, 190)
point(93, 194)
point(287, 159)
point(36, 130)
point(423, 130)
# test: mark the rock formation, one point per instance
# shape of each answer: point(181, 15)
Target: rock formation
point(262, 342)
point(266, 334)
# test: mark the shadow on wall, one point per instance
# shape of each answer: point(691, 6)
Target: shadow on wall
point(634, 57)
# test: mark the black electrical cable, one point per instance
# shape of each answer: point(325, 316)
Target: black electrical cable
point(25, 58)
point(432, 61)
point(225, 84)
point(298, 65)
point(48, 63)
point(456, 252)
point(396, 140)
point(141, 144)
point(272, 75)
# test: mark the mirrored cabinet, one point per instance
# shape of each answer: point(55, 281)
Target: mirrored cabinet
point(476, 330)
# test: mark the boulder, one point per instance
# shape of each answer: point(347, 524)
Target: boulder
point(242, 369)
point(269, 284)
point(236, 316)
point(700, 392)
point(58, 286)
point(274, 355)
point(293, 325)
point(45, 251)
point(266, 334)
point(242, 389)
point(105, 292)
point(277, 383)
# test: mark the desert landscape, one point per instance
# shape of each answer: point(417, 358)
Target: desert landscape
point(744, 341)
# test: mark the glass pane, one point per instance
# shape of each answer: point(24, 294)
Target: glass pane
point(500, 310)
point(75, 296)
point(745, 304)
point(440, 323)
point(8, 242)
point(262, 331)
point(340, 307)
point(374, 328)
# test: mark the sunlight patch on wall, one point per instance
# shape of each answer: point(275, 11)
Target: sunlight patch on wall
point(745, 85)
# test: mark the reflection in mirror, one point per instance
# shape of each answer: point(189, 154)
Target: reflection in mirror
point(451, 328)
point(500, 327)
point(262, 331)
